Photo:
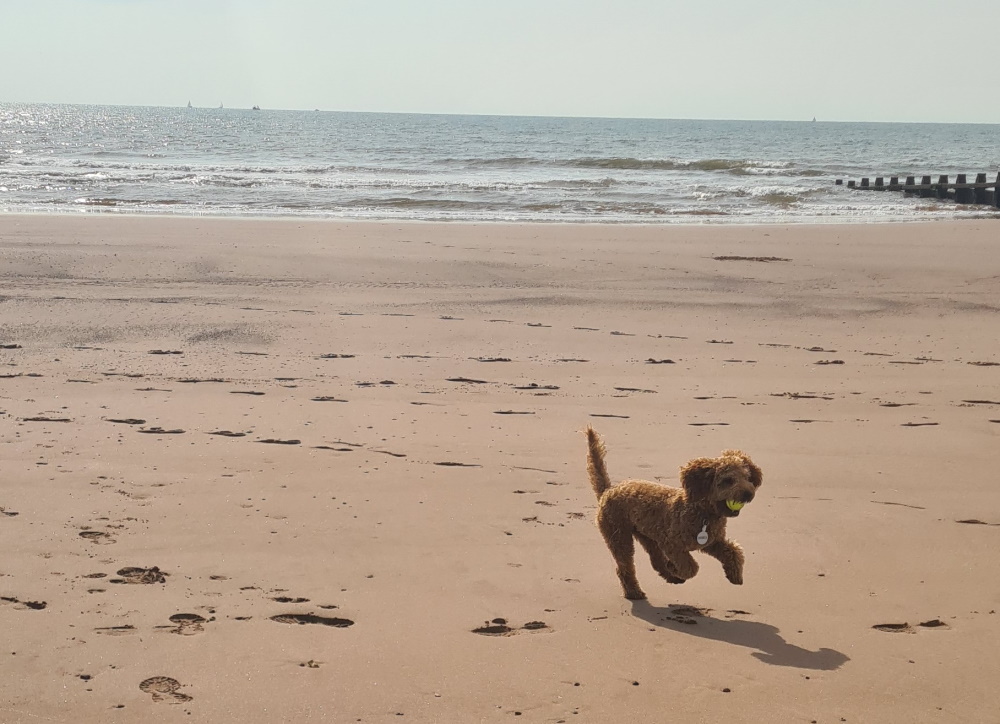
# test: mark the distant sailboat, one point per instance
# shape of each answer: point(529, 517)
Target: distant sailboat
point(814, 119)
point(189, 104)
point(255, 108)
point(220, 108)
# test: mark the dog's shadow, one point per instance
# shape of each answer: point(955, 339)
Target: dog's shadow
point(770, 647)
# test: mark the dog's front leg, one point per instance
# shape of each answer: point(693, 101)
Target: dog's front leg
point(680, 562)
point(730, 555)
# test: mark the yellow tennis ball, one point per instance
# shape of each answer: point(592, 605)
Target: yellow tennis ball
point(734, 505)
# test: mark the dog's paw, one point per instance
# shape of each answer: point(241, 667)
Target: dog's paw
point(735, 577)
point(636, 595)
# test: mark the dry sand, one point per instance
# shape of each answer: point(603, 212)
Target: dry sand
point(430, 383)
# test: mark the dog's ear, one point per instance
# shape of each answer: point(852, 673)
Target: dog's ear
point(698, 477)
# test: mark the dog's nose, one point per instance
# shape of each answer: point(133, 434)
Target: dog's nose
point(745, 496)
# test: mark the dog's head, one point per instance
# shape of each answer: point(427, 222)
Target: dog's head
point(725, 483)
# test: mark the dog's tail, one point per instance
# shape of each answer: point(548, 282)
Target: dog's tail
point(599, 480)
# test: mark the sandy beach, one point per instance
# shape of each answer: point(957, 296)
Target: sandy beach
point(269, 471)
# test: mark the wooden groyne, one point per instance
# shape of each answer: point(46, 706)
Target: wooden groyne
point(960, 190)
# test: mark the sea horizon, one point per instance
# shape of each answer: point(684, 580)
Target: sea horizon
point(462, 114)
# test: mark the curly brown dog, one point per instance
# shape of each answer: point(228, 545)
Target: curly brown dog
point(671, 522)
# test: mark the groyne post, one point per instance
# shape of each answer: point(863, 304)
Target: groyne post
point(942, 187)
point(963, 195)
point(979, 192)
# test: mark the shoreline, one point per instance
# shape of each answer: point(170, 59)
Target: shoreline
point(966, 214)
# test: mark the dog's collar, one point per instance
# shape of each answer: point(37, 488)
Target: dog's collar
point(702, 536)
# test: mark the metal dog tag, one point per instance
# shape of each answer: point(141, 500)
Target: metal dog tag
point(703, 535)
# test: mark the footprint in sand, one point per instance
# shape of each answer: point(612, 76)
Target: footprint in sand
point(188, 624)
point(906, 628)
point(304, 618)
point(163, 688)
point(686, 614)
point(160, 431)
point(904, 505)
point(33, 605)
point(731, 257)
point(133, 574)
point(97, 536)
point(975, 521)
point(276, 441)
point(800, 396)
point(500, 627)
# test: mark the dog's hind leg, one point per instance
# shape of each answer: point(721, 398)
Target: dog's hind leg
point(660, 563)
point(618, 536)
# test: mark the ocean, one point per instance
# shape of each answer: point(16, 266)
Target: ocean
point(318, 164)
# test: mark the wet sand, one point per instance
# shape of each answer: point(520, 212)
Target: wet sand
point(316, 471)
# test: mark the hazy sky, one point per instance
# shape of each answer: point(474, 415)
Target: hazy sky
point(876, 60)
